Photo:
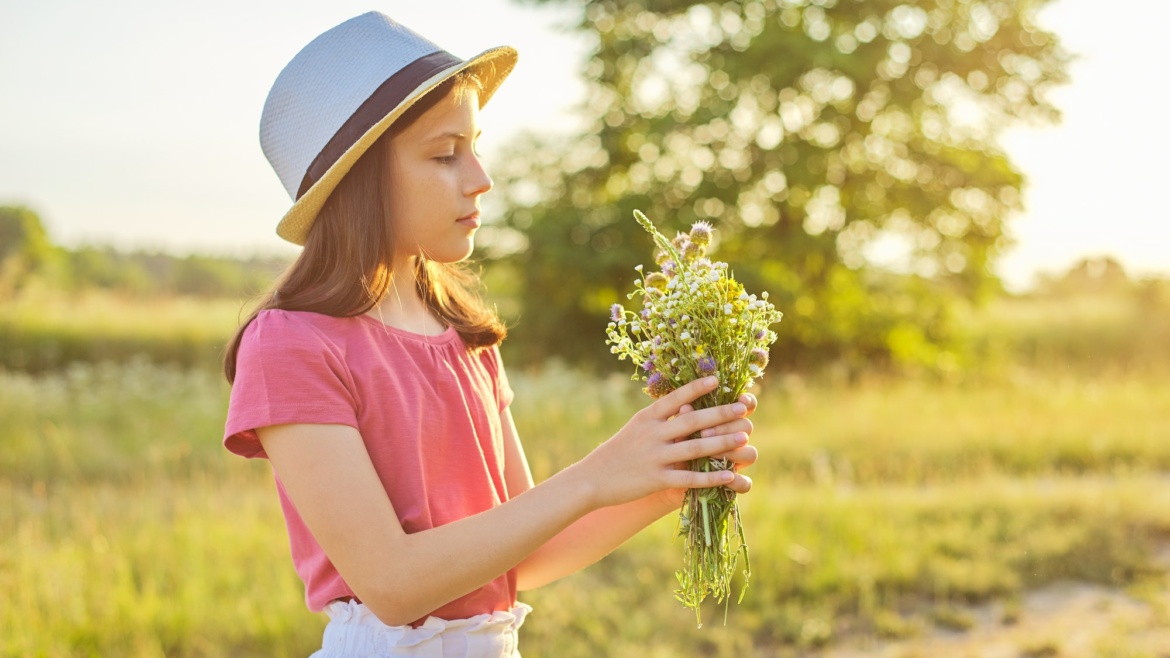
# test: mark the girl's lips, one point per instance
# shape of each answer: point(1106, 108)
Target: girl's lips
point(470, 221)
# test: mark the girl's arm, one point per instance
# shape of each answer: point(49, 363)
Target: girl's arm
point(598, 533)
point(328, 476)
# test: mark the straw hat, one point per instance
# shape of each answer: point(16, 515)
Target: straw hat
point(341, 92)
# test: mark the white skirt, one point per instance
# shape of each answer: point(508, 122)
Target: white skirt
point(354, 632)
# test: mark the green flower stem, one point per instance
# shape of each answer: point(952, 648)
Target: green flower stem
point(706, 522)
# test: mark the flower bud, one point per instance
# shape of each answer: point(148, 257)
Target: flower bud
point(701, 233)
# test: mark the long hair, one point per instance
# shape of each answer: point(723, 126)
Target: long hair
point(345, 267)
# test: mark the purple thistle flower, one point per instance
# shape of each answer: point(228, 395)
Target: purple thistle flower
point(707, 366)
point(657, 385)
point(646, 314)
point(648, 365)
point(760, 334)
point(759, 357)
point(615, 312)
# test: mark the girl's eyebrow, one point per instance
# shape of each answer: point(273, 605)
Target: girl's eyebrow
point(453, 135)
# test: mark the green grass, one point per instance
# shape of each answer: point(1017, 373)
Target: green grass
point(879, 509)
point(156, 566)
point(44, 330)
point(1120, 331)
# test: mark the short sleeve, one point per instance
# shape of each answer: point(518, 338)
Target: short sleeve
point(287, 371)
point(504, 392)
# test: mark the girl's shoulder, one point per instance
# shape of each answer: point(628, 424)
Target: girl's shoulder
point(278, 318)
point(276, 328)
point(359, 337)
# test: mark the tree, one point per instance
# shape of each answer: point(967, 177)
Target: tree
point(25, 247)
point(821, 138)
point(1104, 275)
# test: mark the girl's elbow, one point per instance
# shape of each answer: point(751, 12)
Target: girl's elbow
point(391, 609)
point(393, 600)
point(530, 576)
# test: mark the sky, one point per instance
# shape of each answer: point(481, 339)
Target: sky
point(135, 123)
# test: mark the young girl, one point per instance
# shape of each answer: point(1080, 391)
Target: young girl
point(370, 376)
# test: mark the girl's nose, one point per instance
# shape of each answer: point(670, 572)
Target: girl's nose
point(478, 181)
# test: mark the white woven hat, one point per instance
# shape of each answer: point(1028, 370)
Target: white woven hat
point(341, 92)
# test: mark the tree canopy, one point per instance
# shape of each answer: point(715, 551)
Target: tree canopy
point(24, 246)
point(845, 151)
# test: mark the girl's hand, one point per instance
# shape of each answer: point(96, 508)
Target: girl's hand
point(643, 457)
point(740, 457)
point(743, 456)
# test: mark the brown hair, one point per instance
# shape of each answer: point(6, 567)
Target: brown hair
point(344, 269)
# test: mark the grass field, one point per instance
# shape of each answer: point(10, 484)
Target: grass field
point(883, 509)
point(875, 507)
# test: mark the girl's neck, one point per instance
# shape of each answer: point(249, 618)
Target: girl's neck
point(403, 308)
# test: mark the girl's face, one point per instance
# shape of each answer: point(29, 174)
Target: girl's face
point(435, 181)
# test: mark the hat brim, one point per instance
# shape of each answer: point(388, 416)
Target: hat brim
point(490, 66)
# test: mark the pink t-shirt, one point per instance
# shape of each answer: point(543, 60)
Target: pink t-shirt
point(427, 408)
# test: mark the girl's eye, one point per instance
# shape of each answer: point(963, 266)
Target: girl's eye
point(446, 159)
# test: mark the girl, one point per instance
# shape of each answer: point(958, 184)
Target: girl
point(370, 376)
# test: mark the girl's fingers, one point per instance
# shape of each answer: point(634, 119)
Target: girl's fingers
point(737, 482)
point(738, 425)
point(749, 401)
point(669, 404)
point(689, 423)
point(684, 451)
point(741, 484)
point(740, 457)
point(697, 480)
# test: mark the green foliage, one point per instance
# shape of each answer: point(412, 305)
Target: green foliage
point(155, 273)
point(136, 534)
point(64, 306)
point(1093, 318)
point(1088, 276)
point(25, 249)
point(43, 330)
point(27, 254)
point(127, 530)
point(21, 233)
point(816, 136)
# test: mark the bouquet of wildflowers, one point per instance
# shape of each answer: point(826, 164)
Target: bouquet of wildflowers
point(696, 320)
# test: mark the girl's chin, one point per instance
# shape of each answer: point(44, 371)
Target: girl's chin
point(453, 254)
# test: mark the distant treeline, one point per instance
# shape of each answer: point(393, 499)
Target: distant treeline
point(60, 306)
point(28, 255)
point(162, 273)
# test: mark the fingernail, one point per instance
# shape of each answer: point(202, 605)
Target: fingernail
point(741, 440)
point(727, 476)
point(710, 382)
point(739, 408)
